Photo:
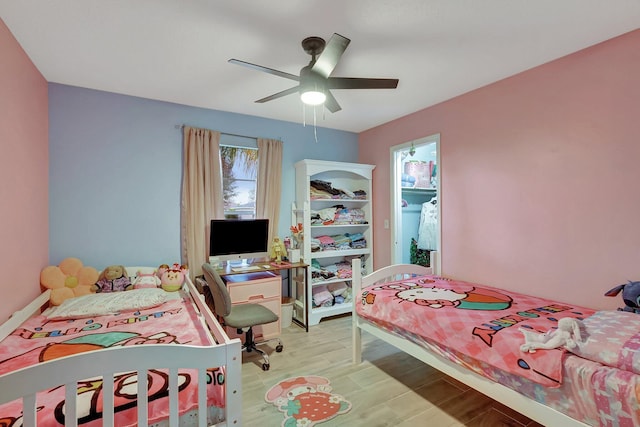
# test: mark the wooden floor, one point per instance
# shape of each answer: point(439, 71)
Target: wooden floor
point(389, 388)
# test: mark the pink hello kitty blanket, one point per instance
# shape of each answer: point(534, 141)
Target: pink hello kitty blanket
point(39, 340)
point(477, 324)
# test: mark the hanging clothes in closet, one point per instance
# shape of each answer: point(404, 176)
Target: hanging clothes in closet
point(428, 224)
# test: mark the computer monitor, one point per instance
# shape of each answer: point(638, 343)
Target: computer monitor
point(237, 241)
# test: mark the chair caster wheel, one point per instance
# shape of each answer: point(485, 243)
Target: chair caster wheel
point(279, 348)
point(265, 366)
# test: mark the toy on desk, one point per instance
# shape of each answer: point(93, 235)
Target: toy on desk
point(277, 250)
point(630, 296)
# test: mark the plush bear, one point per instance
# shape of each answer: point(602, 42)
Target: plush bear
point(68, 279)
point(630, 296)
point(114, 278)
point(172, 278)
point(146, 280)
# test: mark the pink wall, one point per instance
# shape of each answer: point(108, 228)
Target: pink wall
point(24, 168)
point(540, 176)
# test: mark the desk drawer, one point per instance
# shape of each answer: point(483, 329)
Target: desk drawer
point(254, 290)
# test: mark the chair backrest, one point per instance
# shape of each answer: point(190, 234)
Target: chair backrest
point(221, 298)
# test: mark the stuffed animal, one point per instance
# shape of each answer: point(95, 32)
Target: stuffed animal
point(146, 280)
point(114, 278)
point(68, 279)
point(172, 278)
point(161, 270)
point(567, 335)
point(630, 296)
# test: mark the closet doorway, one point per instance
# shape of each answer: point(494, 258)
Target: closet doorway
point(415, 201)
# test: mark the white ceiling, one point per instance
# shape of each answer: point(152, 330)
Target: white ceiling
point(177, 50)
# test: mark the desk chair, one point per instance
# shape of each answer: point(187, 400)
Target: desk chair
point(243, 317)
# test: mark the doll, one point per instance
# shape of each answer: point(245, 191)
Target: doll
point(277, 250)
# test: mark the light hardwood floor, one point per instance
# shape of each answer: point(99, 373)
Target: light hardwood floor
point(389, 388)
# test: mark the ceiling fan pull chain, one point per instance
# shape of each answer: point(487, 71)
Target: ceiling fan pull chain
point(304, 116)
point(315, 131)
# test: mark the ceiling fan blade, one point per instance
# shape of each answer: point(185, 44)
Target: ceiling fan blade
point(331, 103)
point(328, 59)
point(265, 69)
point(279, 94)
point(361, 83)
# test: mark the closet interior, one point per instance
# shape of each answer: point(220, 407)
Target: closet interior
point(417, 228)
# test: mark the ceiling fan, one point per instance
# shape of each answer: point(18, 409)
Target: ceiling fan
point(315, 79)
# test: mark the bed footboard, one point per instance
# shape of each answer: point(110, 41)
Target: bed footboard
point(137, 369)
point(68, 371)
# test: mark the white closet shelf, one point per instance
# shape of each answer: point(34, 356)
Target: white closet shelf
point(412, 208)
point(339, 201)
point(418, 190)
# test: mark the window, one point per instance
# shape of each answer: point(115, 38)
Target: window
point(239, 181)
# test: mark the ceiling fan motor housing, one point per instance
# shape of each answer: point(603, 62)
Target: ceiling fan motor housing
point(311, 81)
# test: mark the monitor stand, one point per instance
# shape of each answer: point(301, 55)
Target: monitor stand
point(243, 263)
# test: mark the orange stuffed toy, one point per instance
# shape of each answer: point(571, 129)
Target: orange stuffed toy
point(69, 279)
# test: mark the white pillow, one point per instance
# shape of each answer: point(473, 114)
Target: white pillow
point(108, 303)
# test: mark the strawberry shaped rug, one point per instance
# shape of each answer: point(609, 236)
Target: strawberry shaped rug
point(306, 401)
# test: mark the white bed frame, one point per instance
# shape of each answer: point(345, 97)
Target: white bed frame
point(511, 398)
point(67, 371)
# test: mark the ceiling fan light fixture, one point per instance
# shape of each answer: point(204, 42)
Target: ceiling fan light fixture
point(313, 97)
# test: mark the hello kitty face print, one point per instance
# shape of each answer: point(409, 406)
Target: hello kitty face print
point(419, 292)
point(433, 297)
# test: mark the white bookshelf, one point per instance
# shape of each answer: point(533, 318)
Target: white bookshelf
point(352, 177)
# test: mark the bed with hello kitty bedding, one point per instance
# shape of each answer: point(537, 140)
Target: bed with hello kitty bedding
point(138, 357)
point(474, 333)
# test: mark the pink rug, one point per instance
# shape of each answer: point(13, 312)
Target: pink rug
point(306, 401)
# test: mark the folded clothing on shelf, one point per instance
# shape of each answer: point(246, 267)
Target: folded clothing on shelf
point(337, 288)
point(349, 216)
point(338, 242)
point(321, 296)
point(341, 242)
point(357, 240)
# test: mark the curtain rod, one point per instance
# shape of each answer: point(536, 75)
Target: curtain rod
point(223, 133)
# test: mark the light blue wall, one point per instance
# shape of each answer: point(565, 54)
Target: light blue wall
point(116, 167)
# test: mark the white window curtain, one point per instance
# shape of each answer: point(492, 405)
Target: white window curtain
point(269, 184)
point(202, 198)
